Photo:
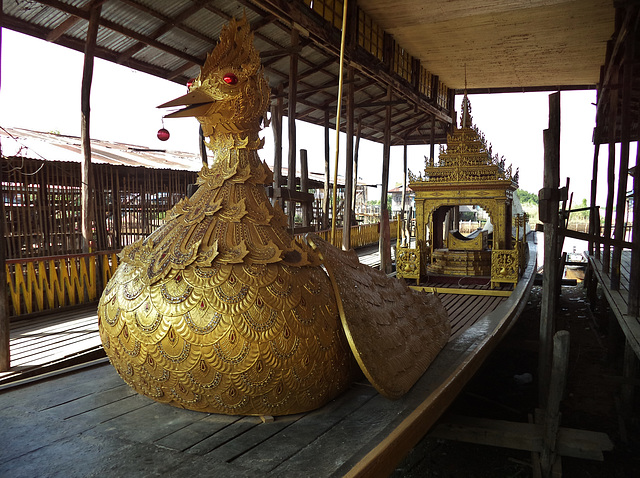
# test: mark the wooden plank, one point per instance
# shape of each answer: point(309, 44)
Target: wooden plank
point(194, 433)
point(572, 442)
point(268, 456)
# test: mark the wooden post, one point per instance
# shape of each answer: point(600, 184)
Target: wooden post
point(549, 215)
point(594, 218)
point(348, 177)
point(327, 173)
point(432, 145)
point(557, 384)
point(633, 305)
point(355, 161)
point(203, 147)
point(5, 352)
point(384, 244)
point(625, 138)
point(293, 97)
point(85, 105)
point(276, 126)
point(304, 187)
point(611, 175)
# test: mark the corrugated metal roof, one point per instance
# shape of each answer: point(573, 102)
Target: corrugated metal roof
point(54, 147)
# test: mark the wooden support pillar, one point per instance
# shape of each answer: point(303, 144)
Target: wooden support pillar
point(633, 305)
point(5, 352)
point(549, 215)
point(276, 126)
point(327, 173)
point(594, 217)
point(85, 105)
point(432, 146)
point(348, 177)
point(293, 96)
point(384, 244)
point(355, 161)
point(551, 419)
point(405, 160)
point(304, 187)
point(611, 175)
point(623, 174)
point(203, 147)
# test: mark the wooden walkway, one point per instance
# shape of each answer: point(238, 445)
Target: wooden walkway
point(618, 299)
point(55, 341)
point(89, 423)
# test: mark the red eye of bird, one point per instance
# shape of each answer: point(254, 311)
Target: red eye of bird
point(230, 79)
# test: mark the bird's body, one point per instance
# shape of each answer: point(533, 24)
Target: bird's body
point(220, 310)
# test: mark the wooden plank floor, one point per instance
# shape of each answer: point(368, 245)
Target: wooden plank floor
point(39, 342)
point(89, 423)
point(618, 299)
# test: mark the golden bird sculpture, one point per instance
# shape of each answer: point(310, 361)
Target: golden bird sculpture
point(220, 309)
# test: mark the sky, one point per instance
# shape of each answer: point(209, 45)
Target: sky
point(40, 90)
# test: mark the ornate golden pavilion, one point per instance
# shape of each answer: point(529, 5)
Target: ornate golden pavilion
point(466, 174)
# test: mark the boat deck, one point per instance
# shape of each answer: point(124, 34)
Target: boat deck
point(113, 431)
point(618, 299)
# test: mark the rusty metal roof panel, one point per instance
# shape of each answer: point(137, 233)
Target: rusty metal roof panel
point(35, 13)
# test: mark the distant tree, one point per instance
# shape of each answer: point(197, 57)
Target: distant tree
point(527, 197)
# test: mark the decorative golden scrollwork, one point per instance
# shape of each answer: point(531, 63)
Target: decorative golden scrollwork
point(408, 262)
point(505, 266)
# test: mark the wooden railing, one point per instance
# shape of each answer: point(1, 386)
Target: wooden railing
point(361, 235)
point(38, 284)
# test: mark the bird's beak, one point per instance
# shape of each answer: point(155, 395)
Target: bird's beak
point(196, 103)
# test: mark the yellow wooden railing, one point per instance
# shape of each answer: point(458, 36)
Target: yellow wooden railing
point(361, 235)
point(38, 284)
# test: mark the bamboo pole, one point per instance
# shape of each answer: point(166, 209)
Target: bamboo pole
point(87, 77)
point(338, 109)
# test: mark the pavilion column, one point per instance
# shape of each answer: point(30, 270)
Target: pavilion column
point(384, 244)
point(348, 177)
point(87, 77)
point(293, 95)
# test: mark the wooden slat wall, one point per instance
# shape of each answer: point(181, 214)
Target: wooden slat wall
point(43, 207)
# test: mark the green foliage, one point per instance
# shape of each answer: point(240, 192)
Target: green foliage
point(527, 197)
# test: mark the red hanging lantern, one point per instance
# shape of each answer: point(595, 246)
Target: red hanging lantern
point(163, 134)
